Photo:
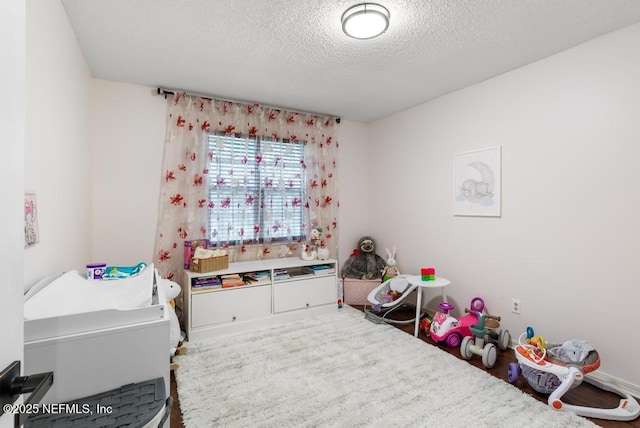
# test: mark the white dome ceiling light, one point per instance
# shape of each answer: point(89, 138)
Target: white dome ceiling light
point(365, 21)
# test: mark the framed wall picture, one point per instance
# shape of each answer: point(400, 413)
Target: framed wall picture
point(477, 183)
point(31, 234)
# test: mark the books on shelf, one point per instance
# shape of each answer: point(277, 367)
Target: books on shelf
point(257, 278)
point(262, 277)
point(232, 280)
point(280, 274)
point(319, 269)
point(207, 282)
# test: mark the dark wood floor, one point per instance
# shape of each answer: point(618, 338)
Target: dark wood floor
point(585, 394)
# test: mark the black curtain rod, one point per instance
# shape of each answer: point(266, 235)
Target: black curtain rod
point(165, 92)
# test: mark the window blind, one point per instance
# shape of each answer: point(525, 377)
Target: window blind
point(256, 190)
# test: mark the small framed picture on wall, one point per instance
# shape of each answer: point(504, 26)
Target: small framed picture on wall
point(477, 183)
point(31, 234)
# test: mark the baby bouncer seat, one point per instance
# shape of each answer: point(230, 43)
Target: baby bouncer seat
point(555, 369)
point(386, 298)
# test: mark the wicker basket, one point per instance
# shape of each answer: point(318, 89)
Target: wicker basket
point(210, 264)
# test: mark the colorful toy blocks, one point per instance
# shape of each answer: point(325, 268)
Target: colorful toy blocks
point(428, 274)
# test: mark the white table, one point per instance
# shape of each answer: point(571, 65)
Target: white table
point(438, 282)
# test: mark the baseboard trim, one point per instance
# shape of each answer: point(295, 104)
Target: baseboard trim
point(616, 382)
point(602, 377)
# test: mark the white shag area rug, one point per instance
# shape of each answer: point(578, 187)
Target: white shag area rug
point(341, 370)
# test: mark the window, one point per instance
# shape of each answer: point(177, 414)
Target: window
point(256, 190)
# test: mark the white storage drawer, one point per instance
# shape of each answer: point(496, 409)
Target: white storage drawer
point(223, 306)
point(301, 293)
point(308, 288)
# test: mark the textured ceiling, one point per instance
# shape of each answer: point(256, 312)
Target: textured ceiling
point(293, 53)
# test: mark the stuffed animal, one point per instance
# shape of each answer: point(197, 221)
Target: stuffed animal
point(365, 263)
point(323, 251)
point(308, 253)
point(316, 236)
point(310, 250)
point(171, 291)
point(391, 268)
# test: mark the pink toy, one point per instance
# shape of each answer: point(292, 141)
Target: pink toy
point(449, 329)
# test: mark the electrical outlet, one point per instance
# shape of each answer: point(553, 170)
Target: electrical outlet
point(515, 306)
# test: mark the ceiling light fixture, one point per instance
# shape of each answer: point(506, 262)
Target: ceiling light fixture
point(365, 21)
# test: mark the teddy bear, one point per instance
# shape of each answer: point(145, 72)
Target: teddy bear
point(364, 263)
point(171, 291)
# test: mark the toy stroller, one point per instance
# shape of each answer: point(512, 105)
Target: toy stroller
point(549, 370)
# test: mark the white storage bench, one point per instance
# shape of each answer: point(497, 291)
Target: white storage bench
point(287, 289)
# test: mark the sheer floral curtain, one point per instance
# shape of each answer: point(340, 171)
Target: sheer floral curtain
point(182, 211)
point(213, 152)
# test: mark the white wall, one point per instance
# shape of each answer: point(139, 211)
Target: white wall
point(355, 193)
point(12, 123)
point(127, 126)
point(58, 147)
point(567, 243)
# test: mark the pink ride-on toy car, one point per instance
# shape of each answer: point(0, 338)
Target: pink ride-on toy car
point(449, 329)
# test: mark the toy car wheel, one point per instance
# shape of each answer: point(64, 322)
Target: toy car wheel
point(465, 347)
point(513, 373)
point(504, 340)
point(453, 340)
point(489, 355)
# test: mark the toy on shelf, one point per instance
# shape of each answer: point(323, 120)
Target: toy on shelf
point(484, 335)
point(316, 236)
point(554, 369)
point(315, 249)
point(322, 251)
point(391, 268)
point(449, 329)
point(308, 253)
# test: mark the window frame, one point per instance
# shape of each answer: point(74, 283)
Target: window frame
point(297, 185)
